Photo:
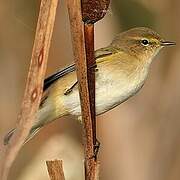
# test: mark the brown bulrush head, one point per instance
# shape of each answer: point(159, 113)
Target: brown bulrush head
point(94, 10)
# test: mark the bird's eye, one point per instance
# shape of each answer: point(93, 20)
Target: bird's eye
point(145, 42)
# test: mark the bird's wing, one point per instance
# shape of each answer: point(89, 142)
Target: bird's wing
point(103, 52)
point(48, 81)
point(51, 79)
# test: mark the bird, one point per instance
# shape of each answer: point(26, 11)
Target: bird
point(121, 70)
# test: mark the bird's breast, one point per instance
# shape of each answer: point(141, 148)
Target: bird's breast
point(112, 88)
point(117, 88)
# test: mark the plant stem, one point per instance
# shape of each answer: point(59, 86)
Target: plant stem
point(74, 8)
point(34, 84)
point(91, 63)
point(55, 170)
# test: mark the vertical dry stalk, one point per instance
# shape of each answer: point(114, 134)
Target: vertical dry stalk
point(74, 8)
point(91, 63)
point(33, 91)
point(55, 169)
point(92, 11)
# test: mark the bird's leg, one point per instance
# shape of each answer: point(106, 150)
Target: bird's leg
point(94, 66)
point(69, 90)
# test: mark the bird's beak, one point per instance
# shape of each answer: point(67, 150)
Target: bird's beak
point(167, 43)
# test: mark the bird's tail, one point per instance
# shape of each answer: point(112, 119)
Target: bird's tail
point(8, 136)
point(44, 116)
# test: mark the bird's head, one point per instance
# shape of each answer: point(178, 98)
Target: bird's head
point(141, 42)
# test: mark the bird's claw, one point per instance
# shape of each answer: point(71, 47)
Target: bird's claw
point(96, 150)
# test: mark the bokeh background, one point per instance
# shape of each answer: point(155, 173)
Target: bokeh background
point(140, 139)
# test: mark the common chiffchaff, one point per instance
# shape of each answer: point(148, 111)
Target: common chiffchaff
point(122, 68)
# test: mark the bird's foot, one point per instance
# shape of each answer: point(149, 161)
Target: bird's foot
point(96, 150)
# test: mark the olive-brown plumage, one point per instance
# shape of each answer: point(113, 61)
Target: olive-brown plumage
point(122, 68)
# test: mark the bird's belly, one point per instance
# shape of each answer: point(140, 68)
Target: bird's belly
point(109, 93)
point(113, 93)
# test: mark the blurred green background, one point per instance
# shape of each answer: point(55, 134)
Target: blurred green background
point(140, 139)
